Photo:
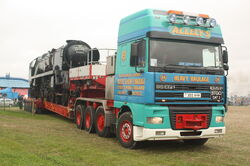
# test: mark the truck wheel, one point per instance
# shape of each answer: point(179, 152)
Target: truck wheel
point(79, 116)
point(124, 131)
point(89, 119)
point(195, 142)
point(101, 130)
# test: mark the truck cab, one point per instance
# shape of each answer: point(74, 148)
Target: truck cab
point(170, 77)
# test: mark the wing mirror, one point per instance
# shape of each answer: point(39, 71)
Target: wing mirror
point(225, 56)
point(138, 53)
point(226, 67)
point(134, 54)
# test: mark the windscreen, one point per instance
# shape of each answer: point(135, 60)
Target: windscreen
point(170, 53)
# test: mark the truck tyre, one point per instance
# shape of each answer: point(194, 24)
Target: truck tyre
point(79, 116)
point(195, 142)
point(124, 131)
point(100, 129)
point(89, 119)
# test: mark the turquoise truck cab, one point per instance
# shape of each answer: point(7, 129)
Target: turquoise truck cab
point(171, 76)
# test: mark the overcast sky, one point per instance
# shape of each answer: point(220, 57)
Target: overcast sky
point(29, 28)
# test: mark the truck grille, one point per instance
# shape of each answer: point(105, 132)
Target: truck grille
point(174, 110)
point(174, 93)
point(180, 95)
point(187, 87)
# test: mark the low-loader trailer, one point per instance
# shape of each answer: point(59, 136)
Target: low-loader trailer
point(166, 80)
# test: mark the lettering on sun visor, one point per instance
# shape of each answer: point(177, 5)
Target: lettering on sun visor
point(186, 31)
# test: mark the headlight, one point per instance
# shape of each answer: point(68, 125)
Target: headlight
point(199, 21)
point(212, 22)
point(186, 19)
point(219, 119)
point(155, 120)
point(172, 18)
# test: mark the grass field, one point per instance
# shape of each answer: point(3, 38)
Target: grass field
point(34, 140)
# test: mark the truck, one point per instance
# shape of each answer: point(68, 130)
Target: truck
point(166, 80)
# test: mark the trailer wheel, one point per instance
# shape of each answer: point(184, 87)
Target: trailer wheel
point(195, 142)
point(101, 130)
point(79, 116)
point(89, 119)
point(124, 131)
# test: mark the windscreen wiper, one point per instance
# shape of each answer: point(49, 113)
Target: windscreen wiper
point(167, 67)
point(209, 66)
point(173, 65)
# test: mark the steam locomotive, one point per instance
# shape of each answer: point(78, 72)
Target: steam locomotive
point(49, 73)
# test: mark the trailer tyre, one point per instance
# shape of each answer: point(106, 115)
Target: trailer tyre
point(195, 142)
point(89, 119)
point(100, 128)
point(124, 131)
point(79, 116)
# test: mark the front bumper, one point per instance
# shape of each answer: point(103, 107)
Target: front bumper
point(141, 133)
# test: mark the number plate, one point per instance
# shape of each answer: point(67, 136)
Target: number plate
point(192, 95)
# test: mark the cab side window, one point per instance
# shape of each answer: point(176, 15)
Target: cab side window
point(138, 53)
